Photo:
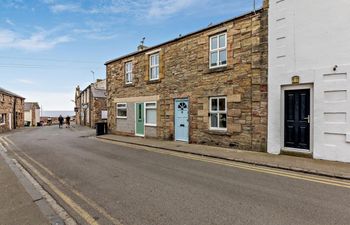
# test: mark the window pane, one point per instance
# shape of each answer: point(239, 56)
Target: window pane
point(122, 112)
point(222, 120)
point(140, 111)
point(151, 116)
point(157, 59)
point(152, 60)
point(222, 104)
point(157, 72)
point(214, 43)
point(152, 72)
point(222, 41)
point(214, 120)
point(150, 105)
point(213, 59)
point(222, 57)
point(214, 104)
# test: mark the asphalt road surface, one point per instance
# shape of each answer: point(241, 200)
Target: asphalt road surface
point(101, 182)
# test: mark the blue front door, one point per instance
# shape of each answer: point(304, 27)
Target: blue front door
point(181, 120)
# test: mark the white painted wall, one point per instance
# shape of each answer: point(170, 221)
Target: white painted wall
point(308, 38)
point(28, 116)
point(37, 116)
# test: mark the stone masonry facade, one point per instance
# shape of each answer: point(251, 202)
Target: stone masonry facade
point(95, 100)
point(184, 72)
point(12, 109)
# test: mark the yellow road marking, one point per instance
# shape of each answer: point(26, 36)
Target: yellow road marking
point(86, 216)
point(277, 172)
point(87, 200)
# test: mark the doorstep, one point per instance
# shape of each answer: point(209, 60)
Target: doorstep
point(298, 164)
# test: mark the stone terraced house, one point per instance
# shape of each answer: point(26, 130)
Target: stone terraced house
point(207, 87)
point(91, 104)
point(31, 113)
point(11, 110)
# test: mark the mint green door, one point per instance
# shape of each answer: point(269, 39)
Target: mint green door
point(139, 119)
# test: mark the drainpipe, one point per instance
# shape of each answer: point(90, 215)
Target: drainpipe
point(14, 114)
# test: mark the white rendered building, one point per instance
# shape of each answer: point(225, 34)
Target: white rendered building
point(309, 78)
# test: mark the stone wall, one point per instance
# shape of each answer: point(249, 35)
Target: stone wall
point(184, 72)
point(7, 103)
point(98, 104)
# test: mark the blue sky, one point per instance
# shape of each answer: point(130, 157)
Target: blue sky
point(47, 47)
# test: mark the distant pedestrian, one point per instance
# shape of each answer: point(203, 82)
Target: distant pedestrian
point(67, 122)
point(60, 121)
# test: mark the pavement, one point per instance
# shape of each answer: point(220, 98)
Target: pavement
point(298, 164)
point(17, 206)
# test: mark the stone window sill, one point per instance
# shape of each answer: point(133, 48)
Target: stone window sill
point(218, 132)
point(153, 81)
point(129, 85)
point(216, 70)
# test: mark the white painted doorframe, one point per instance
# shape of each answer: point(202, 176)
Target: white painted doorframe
point(298, 87)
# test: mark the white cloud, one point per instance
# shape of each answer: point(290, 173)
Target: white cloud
point(37, 41)
point(57, 8)
point(138, 8)
point(164, 8)
point(25, 81)
point(9, 22)
point(16, 4)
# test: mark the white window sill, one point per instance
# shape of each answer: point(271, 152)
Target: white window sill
point(215, 67)
point(218, 129)
point(154, 79)
point(150, 125)
point(122, 117)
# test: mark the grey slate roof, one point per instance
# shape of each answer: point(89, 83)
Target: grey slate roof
point(98, 93)
point(28, 105)
point(4, 91)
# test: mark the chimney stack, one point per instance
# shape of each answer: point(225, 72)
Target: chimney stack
point(142, 45)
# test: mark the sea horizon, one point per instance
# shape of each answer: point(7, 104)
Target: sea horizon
point(57, 113)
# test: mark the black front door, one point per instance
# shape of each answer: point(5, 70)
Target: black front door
point(297, 119)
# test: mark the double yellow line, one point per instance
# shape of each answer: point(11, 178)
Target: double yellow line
point(259, 169)
point(69, 201)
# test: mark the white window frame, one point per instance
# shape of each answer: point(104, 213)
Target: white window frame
point(217, 50)
point(218, 112)
point(145, 113)
point(120, 106)
point(153, 66)
point(128, 72)
point(3, 117)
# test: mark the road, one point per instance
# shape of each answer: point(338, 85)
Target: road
point(101, 182)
